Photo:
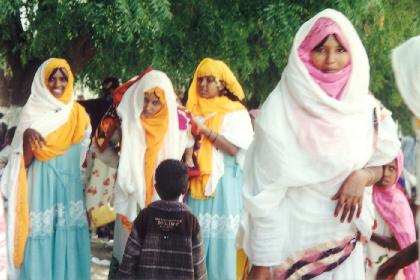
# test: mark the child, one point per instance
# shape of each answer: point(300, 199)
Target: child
point(165, 241)
point(394, 225)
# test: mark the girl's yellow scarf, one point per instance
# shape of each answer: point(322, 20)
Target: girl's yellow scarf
point(155, 129)
point(204, 107)
point(58, 142)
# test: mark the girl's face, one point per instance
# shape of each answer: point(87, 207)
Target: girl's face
point(208, 86)
point(57, 82)
point(390, 174)
point(151, 104)
point(330, 56)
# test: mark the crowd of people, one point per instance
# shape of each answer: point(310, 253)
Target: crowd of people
point(305, 187)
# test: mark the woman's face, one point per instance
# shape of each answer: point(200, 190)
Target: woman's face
point(208, 86)
point(330, 56)
point(57, 82)
point(151, 104)
point(390, 174)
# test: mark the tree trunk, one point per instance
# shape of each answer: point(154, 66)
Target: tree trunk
point(16, 87)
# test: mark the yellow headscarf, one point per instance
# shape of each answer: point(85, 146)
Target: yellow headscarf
point(203, 107)
point(55, 63)
point(57, 142)
point(155, 128)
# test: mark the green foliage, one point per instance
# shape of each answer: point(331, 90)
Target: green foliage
point(253, 37)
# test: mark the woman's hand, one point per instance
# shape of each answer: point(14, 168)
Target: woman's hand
point(350, 195)
point(33, 138)
point(199, 122)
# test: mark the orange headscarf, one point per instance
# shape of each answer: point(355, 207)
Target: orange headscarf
point(203, 107)
point(155, 128)
point(57, 143)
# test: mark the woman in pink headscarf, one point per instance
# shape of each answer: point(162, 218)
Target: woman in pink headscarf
point(394, 227)
point(320, 140)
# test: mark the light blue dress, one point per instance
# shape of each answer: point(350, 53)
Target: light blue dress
point(219, 221)
point(58, 246)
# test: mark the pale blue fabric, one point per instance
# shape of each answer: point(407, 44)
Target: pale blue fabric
point(219, 221)
point(58, 246)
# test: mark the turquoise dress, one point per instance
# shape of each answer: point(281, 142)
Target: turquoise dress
point(219, 221)
point(58, 246)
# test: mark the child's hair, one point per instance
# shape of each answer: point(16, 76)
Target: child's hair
point(171, 179)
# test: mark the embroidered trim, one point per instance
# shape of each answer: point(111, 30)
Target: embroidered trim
point(45, 222)
point(214, 225)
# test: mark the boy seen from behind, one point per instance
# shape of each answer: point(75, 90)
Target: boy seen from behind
point(165, 241)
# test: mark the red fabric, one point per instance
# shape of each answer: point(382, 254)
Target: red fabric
point(118, 93)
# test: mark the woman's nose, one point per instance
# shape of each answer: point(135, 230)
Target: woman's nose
point(330, 57)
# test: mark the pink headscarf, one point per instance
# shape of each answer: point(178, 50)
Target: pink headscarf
point(394, 209)
point(332, 83)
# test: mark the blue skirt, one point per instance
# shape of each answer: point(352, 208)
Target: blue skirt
point(219, 221)
point(58, 246)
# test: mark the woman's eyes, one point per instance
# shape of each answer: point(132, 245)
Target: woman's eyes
point(323, 50)
point(341, 49)
point(61, 79)
point(156, 103)
point(208, 79)
point(320, 49)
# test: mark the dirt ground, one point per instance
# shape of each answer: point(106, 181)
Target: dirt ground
point(102, 251)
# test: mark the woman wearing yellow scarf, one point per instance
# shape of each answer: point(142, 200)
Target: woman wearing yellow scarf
point(47, 225)
point(152, 131)
point(226, 132)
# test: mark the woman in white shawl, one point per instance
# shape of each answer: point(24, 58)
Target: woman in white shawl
point(318, 140)
point(406, 66)
point(152, 130)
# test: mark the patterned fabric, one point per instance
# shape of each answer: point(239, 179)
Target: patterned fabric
point(58, 246)
point(315, 261)
point(218, 225)
point(42, 223)
point(164, 243)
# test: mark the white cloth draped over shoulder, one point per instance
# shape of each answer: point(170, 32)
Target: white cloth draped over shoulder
point(305, 145)
point(130, 190)
point(43, 113)
point(406, 64)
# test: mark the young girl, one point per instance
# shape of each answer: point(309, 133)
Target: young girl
point(394, 225)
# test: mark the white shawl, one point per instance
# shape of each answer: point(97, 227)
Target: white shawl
point(131, 187)
point(44, 113)
point(406, 65)
point(304, 137)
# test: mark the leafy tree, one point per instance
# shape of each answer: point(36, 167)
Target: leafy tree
point(122, 37)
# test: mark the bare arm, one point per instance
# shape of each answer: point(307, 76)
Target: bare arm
point(350, 195)
point(219, 142)
point(403, 258)
point(386, 242)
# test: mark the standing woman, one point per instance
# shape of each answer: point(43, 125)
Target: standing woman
point(152, 131)
point(214, 99)
point(102, 158)
point(47, 224)
point(320, 139)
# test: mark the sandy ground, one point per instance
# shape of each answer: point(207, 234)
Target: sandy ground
point(102, 250)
